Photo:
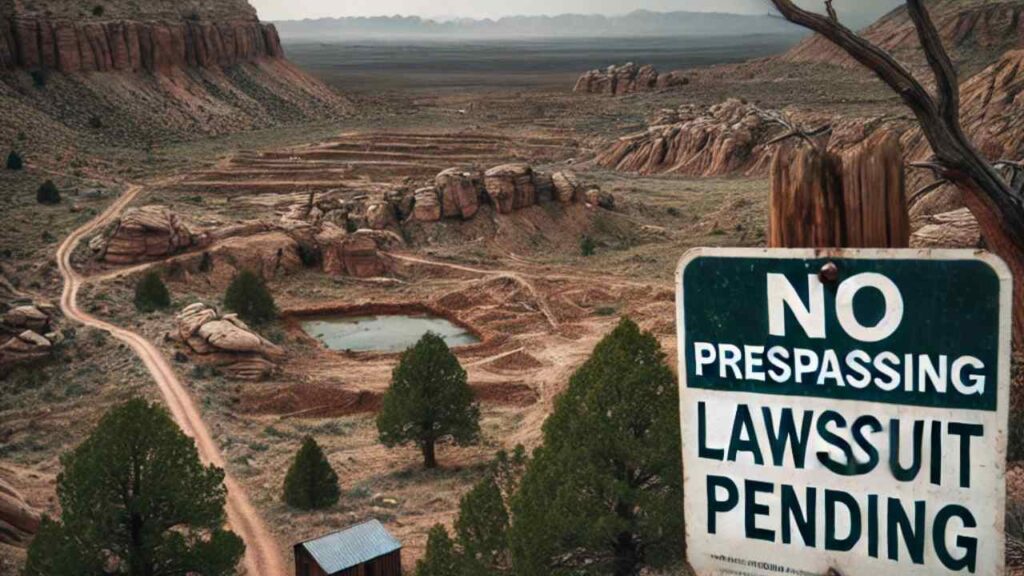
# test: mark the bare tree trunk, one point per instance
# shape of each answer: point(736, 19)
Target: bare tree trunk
point(429, 458)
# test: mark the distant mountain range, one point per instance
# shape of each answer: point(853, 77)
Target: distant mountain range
point(639, 23)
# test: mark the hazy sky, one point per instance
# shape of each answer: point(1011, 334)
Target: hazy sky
point(297, 9)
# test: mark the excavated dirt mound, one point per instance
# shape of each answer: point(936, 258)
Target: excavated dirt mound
point(309, 401)
point(505, 394)
point(519, 360)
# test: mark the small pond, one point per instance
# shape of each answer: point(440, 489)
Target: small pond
point(383, 333)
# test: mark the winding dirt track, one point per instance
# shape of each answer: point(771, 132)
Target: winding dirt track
point(262, 556)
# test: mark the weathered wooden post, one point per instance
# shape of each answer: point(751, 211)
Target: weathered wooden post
point(875, 212)
point(806, 198)
point(854, 198)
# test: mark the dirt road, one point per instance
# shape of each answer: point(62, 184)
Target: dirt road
point(262, 556)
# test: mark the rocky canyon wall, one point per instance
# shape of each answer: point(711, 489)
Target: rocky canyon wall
point(132, 46)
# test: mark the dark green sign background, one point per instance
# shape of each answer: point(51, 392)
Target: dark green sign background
point(950, 307)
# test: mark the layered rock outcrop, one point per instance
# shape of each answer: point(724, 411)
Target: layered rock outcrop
point(723, 139)
point(226, 342)
point(459, 194)
point(18, 521)
point(627, 79)
point(103, 46)
point(24, 347)
point(27, 334)
point(973, 31)
point(511, 187)
point(359, 254)
point(143, 234)
point(139, 71)
point(991, 111)
point(956, 229)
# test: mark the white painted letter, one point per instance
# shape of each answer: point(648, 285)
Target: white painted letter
point(703, 355)
point(781, 294)
point(893, 307)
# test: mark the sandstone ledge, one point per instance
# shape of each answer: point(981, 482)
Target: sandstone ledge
point(131, 46)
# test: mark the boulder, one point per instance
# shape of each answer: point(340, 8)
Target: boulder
point(567, 186)
point(379, 215)
point(427, 207)
point(329, 241)
point(510, 187)
point(144, 234)
point(27, 317)
point(232, 335)
point(460, 197)
point(267, 254)
point(27, 346)
point(671, 80)
point(18, 521)
point(359, 254)
point(599, 198)
point(226, 342)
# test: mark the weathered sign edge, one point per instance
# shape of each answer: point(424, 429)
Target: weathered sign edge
point(997, 265)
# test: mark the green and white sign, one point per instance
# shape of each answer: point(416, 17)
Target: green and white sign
point(844, 409)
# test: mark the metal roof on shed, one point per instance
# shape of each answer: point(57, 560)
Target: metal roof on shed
point(352, 546)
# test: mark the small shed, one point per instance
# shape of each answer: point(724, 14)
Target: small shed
point(365, 549)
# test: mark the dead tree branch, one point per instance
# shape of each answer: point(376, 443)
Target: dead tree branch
point(793, 130)
point(831, 11)
point(1015, 176)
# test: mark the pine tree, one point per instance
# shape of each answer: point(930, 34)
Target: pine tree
point(14, 161)
point(151, 294)
point(135, 499)
point(441, 558)
point(429, 400)
point(48, 193)
point(249, 297)
point(481, 528)
point(604, 492)
point(311, 483)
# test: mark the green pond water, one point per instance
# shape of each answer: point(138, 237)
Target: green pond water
point(383, 333)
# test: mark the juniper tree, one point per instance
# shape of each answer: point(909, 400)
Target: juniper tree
point(587, 246)
point(135, 499)
point(48, 193)
point(441, 558)
point(14, 161)
point(311, 483)
point(428, 400)
point(248, 296)
point(481, 528)
point(604, 492)
point(151, 293)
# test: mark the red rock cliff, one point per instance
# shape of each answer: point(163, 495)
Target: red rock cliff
point(125, 45)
